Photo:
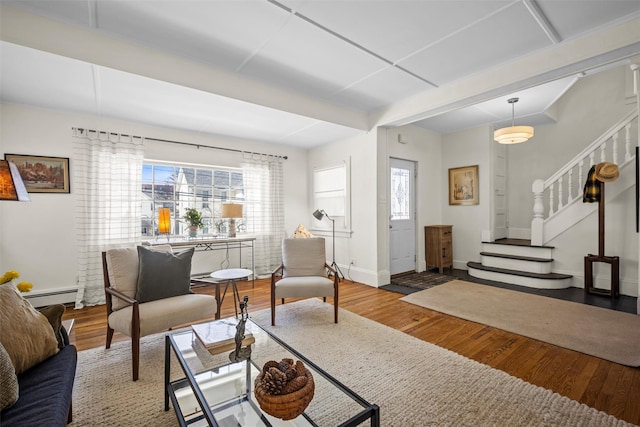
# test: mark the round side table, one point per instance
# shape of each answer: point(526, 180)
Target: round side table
point(231, 275)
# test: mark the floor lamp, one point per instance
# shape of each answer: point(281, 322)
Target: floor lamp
point(319, 214)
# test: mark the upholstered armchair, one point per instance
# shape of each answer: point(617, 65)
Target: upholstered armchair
point(303, 274)
point(147, 291)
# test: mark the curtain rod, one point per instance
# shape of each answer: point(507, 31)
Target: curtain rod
point(190, 144)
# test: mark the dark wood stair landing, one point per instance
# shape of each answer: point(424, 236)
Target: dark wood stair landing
point(517, 242)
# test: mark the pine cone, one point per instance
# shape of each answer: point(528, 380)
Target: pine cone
point(288, 361)
point(295, 385)
point(274, 381)
point(300, 368)
point(284, 364)
point(269, 364)
point(291, 373)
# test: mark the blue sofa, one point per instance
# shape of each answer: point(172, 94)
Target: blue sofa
point(45, 392)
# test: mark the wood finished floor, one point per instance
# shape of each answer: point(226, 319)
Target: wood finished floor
point(607, 386)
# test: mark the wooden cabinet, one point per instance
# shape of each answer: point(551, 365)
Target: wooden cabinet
point(438, 246)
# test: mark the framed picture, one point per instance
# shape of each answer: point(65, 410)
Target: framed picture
point(463, 185)
point(42, 174)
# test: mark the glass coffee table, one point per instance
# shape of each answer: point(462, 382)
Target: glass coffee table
point(218, 392)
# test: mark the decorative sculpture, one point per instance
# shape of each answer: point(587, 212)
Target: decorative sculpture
point(241, 353)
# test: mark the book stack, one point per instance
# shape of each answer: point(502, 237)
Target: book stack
point(220, 335)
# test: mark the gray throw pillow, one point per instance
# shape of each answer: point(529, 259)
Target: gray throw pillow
point(163, 274)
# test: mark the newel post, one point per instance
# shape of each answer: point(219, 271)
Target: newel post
point(537, 223)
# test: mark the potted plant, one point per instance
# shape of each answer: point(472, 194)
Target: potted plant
point(194, 219)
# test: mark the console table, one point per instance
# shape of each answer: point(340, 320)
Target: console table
point(209, 243)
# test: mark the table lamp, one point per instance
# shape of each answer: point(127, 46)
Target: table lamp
point(164, 221)
point(232, 211)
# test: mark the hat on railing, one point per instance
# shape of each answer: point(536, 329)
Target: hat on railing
point(607, 172)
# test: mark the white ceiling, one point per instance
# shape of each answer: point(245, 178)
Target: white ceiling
point(359, 57)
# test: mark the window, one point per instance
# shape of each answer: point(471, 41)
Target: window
point(331, 193)
point(180, 187)
point(400, 194)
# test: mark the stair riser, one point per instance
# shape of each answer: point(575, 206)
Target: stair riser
point(530, 251)
point(520, 280)
point(517, 264)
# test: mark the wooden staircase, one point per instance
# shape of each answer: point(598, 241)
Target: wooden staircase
point(517, 262)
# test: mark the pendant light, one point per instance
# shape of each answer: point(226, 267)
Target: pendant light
point(513, 134)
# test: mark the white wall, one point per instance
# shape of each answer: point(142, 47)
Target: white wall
point(467, 148)
point(38, 238)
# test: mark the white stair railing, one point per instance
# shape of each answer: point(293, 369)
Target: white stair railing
point(565, 186)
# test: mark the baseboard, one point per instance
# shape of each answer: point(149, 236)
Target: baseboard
point(360, 275)
point(626, 287)
point(52, 296)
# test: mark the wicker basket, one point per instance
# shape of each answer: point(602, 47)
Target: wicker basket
point(285, 406)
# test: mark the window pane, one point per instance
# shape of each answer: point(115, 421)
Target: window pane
point(221, 194)
point(163, 174)
point(147, 191)
point(221, 178)
point(236, 179)
point(163, 177)
point(400, 194)
point(203, 177)
point(147, 174)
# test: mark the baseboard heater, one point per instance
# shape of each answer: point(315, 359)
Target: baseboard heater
point(60, 296)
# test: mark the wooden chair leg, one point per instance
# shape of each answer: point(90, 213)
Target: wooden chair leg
point(324, 299)
point(335, 304)
point(273, 310)
point(109, 337)
point(135, 354)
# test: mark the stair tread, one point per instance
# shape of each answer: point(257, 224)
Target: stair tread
point(518, 242)
point(546, 276)
point(517, 257)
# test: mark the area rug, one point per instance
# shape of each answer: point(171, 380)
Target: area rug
point(410, 283)
point(415, 383)
point(608, 334)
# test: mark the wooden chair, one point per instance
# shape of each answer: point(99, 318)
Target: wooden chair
point(304, 273)
point(127, 315)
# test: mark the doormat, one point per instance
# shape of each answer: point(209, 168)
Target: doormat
point(415, 282)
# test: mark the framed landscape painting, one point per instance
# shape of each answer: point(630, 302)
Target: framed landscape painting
point(42, 174)
point(463, 185)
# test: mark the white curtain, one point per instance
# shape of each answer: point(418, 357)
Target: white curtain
point(264, 209)
point(107, 185)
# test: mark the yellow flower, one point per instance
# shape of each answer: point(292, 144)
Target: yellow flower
point(9, 276)
point(24, 286)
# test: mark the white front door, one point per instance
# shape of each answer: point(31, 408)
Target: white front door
point(402, 221)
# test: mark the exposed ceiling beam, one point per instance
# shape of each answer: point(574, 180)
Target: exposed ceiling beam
point(542, 21)
point(19, 27)
point(562, 60)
